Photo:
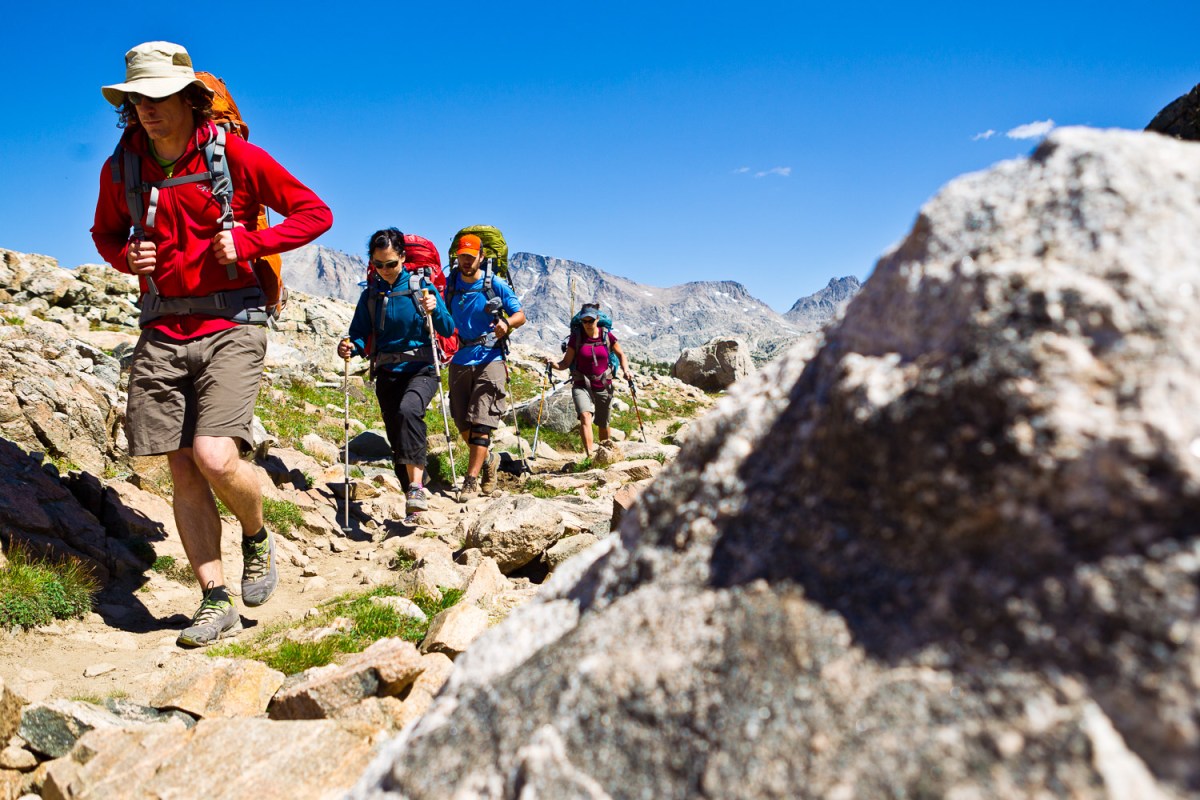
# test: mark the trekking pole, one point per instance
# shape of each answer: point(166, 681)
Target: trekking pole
point(547, 378)
point(633, 392)
point(516, 427)
point(346, 456)
point(437, 365)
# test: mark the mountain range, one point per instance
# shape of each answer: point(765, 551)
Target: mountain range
point(651, 322)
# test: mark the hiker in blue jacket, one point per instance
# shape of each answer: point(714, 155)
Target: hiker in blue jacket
point(478, 373)
point(390, 326)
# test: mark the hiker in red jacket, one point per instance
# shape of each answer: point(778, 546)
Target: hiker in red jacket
point(197, 365)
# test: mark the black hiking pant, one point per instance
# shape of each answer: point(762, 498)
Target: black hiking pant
point(403, 398)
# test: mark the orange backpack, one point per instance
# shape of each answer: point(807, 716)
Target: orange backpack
point(268, 269)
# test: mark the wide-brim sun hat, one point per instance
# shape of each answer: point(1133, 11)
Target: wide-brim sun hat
point(154, 69)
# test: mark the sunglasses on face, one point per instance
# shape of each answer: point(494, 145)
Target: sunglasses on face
point(385, 264)
point(137, 99)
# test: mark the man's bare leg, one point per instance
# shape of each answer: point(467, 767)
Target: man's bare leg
point(232, 479)
point(196, 518)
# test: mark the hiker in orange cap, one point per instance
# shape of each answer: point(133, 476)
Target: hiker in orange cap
point(479, 303)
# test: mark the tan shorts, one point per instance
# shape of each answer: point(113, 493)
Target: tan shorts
point(477, 394)
point(181, 389)
point(597, 402)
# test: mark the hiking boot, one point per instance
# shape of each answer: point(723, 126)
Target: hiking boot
point(487, 476)
point(215, 619)
point(259, 575)
point(416, 501)
point(470, 488)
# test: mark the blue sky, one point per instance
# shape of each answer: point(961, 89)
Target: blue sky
point(776, 144)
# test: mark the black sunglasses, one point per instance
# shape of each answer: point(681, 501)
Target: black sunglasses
point(385, 264)
point(136, 99)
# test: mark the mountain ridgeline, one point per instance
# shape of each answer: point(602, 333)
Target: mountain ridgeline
point(652, 323)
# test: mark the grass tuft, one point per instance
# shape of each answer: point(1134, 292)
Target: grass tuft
point(370, 622)
point(282, 515)
point(38, 591)
point(168, 567)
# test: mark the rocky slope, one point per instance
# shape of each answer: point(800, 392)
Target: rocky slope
point(322, 272)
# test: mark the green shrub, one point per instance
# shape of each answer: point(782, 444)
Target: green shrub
point(37, 591)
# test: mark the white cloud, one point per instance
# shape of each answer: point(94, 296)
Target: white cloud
point(989, 133)
point(783, 172)
point(741, 170)
point(1031, 130)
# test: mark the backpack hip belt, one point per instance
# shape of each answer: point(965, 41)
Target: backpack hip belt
point(423, 354)
point(489, 339)
point(237, 305)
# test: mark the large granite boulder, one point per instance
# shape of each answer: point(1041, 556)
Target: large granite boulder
point(715, 365)
point(954, 555)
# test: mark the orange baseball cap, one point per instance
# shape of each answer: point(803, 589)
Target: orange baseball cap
point(469, 244)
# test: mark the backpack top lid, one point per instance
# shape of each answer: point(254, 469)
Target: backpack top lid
point(225, 110)
point(420, 253)
point(494, 246)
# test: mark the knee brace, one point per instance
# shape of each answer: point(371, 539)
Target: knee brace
point(481, 436)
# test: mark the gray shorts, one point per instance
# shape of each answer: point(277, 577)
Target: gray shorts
point(597, 402)
point(477, 394)
point(183, 388)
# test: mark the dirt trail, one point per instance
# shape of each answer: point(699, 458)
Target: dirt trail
point(134, 625)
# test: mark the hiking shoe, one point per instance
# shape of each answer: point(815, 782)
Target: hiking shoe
point(215, 619)
point(470, 488)
point(416, 501)
point(259, 575)
point(487, 476)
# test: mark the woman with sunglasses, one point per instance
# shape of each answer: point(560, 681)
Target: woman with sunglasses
point(390, 326)
point(587, 356)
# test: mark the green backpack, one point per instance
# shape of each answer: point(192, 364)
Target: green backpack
point(494, 247)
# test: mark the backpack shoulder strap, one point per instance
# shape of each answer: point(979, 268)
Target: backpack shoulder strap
point(126, 166)
point(222, 183)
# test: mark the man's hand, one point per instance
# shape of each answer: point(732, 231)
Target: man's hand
point(142, 257)
point(344, 349)
point(500, 334)
point(222, 245)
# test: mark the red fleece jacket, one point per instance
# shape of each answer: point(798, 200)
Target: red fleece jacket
point(188, 218)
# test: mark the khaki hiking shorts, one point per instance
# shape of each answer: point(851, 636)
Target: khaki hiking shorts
point(597, 402)
point(477, 394)
point(183, 388)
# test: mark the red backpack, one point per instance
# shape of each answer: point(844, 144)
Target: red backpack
point(421, 256)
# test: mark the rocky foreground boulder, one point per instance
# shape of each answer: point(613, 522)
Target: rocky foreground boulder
point(954, 555)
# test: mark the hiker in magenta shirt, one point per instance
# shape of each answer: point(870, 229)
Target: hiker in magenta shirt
point(163, 215)
point(587, 356)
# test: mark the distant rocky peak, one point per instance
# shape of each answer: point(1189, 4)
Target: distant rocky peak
point(820, 308)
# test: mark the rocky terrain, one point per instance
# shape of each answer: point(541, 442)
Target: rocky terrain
point(653, 324)
point(118, 682)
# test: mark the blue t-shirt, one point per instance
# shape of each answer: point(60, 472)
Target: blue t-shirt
point(467, 306)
